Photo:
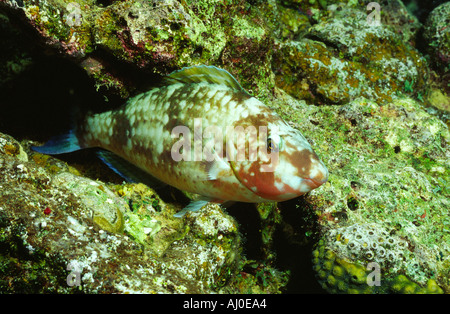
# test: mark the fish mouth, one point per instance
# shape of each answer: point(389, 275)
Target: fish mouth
point(314, 183)
point(317, 180)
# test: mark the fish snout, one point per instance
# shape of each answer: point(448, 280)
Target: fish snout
point(318, 179)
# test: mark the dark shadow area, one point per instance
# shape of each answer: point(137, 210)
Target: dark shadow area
point(293, 251)
point(38, 103)
point(249, 227)
point(41, 101)
point(421, 9)
point(294, 242)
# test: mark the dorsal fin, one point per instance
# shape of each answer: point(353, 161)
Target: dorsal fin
point(203, 73)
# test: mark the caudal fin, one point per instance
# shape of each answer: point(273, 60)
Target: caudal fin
point(64, 143)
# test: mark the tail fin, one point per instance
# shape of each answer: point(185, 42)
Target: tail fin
point(64, 143)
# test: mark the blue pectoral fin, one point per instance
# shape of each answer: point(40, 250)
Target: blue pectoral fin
point(193, 206)
point(61, 144)
point(127, 170)
point(197, 204)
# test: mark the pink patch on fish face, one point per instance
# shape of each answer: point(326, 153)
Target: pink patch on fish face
point(290, 176)
point(262, 183)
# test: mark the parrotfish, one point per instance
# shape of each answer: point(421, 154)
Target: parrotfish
point(200, 132)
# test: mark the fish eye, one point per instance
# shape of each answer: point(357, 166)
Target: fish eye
point(274, 144)
point(270, 145)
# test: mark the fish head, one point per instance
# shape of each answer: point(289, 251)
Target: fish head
point(286, 166)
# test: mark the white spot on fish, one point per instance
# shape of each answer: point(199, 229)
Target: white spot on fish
point(279, 185)
point(304, 188)
point(226, 99)
point(166, 106)
point(132, 119)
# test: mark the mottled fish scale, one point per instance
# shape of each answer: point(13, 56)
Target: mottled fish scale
point(120, 132)
point(140, 132)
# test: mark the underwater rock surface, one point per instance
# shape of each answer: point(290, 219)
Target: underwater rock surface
point(437, 34)
point(387, 200)
point(387, 197)
point(344, 57)
point(359, 93)
point(61, 233)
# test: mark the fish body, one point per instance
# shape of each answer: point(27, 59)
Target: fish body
point(201, 132)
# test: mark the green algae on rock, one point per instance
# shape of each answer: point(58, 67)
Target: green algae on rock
point(149, 222)
point(437, 36)
point(106, 207)
point(52, 242)
point(389, 174)
point(348, 58)
point(154, 36)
